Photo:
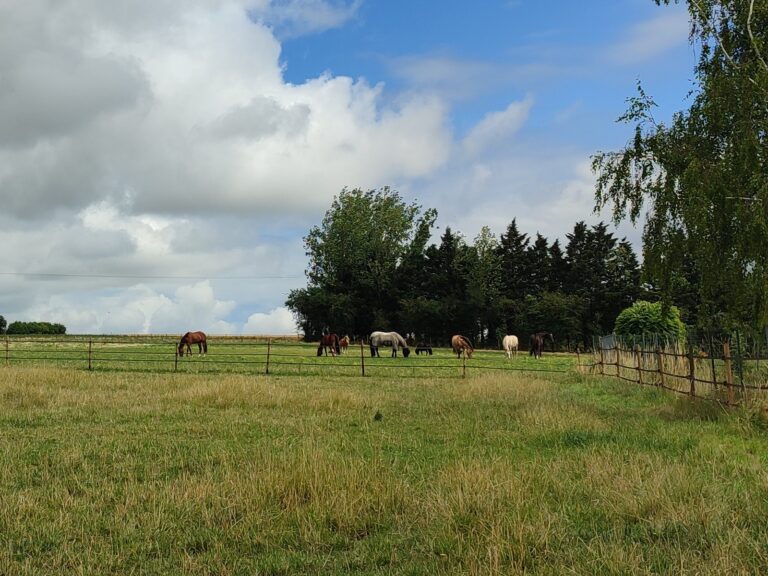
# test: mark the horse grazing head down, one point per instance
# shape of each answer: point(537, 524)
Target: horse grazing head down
point(460, 344)
point(190, 338)
point(393, 339)
point(329, 342)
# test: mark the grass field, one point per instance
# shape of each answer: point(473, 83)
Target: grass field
point(113, 472)
point(233, 355)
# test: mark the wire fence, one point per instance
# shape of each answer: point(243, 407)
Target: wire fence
point(258, 355)
point(728, 368)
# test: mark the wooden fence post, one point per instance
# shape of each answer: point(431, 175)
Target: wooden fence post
point(660, 362)
point(602, 359)
point(728, 370)
point(362, 358)
point(464, 364)
point(269, 350)
point(617, 350)
point(175, 359)
point(638, 358)
point(691, 370)
point(90, 353)
point(7, 355)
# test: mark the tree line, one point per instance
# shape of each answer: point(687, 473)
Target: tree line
point(372, 267)
point(31, 327)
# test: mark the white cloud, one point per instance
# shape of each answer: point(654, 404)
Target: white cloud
point(140, 310)
point(190, 114)
point(652, 38)
point(276, 322)
point(300, 17)
point(497, 127)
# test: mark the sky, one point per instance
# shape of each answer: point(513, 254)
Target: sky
point(161, 160)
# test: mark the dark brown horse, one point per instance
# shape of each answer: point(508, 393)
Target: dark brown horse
point(329, 341)
point(461, 344)
point(193, 338)
point(537, 343)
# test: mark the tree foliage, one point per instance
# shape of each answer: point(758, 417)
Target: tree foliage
point(372, 267)
point(702, 180)
point(650, 319)
point(35, 328)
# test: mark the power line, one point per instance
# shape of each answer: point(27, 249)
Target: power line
point(147, 276)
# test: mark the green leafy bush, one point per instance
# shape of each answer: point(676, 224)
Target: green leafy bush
point(649, 319)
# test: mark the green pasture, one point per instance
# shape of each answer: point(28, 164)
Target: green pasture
point(125, 472)
point(255, 356)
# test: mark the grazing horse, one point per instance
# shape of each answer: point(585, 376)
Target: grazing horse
point(388, 339)
point(537, 343)
point(329, 341)
point(461, 344)
point(343, 344)
point(193, 338)
point(510, 344)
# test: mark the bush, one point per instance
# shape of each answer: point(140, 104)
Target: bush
point(650, 319)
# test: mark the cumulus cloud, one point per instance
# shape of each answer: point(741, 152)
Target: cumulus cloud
point(275, 322)
point(140, 309)
point(191, 114)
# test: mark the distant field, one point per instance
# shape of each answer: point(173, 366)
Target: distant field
point(281, 356)
point(500, 473)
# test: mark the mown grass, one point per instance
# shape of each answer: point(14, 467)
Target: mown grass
point(118, 473)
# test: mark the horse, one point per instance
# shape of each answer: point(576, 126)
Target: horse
point(329, 341)
point(510, 344)
point(388, 339)
point(537, 343)
point(193, 338)
point(461, 344)
point(343, 344)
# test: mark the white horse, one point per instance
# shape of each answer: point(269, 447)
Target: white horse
point(388, 339)
point(510, 344)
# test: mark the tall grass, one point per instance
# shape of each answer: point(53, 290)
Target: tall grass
point(119, 473)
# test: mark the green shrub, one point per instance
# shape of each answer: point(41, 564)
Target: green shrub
point(649, 319)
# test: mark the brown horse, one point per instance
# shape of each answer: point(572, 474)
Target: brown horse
point(193, 338)
point(343, 344)
point(461, 344)
point(537, 343)
point(329, 341)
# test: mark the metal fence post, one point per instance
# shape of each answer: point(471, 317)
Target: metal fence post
point(464, 364)
point(175, 359)
point(362, 358)
point(269, 350)
point(7, 355)
point(90, 353)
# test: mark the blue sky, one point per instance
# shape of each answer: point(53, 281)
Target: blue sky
point(161, 160)
point(570, 48)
